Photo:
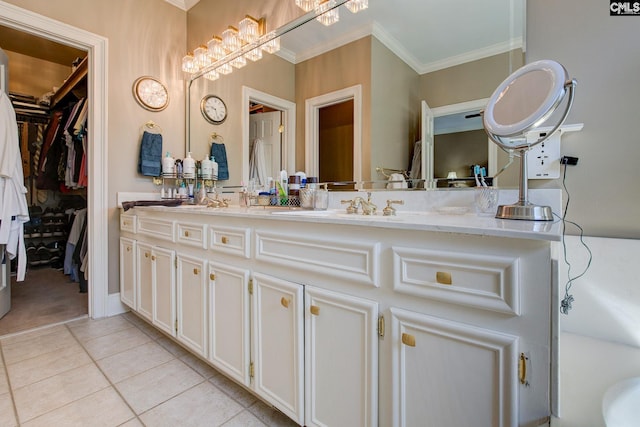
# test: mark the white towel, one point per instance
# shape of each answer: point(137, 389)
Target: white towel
point(416, 162)
point(396, 180)
point(257, 163)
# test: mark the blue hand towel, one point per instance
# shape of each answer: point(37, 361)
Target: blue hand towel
point(220, 154)
point(150, 160)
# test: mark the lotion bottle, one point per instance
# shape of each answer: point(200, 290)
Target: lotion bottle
point(214, 168)
point(168, 165)
point(189, 166)
point(207, 168)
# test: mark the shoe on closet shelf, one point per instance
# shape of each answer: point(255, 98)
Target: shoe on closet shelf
point(47, 231)
point(36, 231)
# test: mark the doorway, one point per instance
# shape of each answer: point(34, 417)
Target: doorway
point(335, 142)
point(99, 303)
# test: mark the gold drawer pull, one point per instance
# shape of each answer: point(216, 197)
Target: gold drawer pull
point(522, 368)
point(284, 302)
point(212, 276)
point(224, 240)
point(443, 278)
point(153, 258)
point(195, 271)
point(186, 234)
point(125, 223)
point(409, 340)
point(146, 254)
point(315, 310)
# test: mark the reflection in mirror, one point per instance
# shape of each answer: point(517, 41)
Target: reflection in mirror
point(394, 50)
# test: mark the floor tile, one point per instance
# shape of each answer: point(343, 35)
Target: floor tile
point(134, 361)
point(104, 408)
point(88, 329)
point(38, 345)
point(52, 393)
point(114, 343)
point(199, 366)
point(29, 335)
point(134, 422)
point(7, 414)
point(152, 387)
point(271, 416)
point(172, 347)
point(235, 391)
point(4, 383)
point(244, 419)
point(203, 405)
point(47, 365)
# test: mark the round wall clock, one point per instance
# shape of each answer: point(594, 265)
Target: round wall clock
point(150, 93)
point(213, 109)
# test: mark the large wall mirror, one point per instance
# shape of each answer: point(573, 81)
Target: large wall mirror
point(397, 53)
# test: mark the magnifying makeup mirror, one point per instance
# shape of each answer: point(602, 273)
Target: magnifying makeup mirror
point(522, 103)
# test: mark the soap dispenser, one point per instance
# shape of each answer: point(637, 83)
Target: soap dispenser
point(168, 165)
point(207, 168)
point(189, 166)
point(214, 168)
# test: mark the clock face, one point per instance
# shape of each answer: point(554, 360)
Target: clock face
point(150, 94)
point(213, 109)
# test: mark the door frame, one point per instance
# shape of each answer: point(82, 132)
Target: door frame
point(312, 120)
point(288, 109)
point(97, 155)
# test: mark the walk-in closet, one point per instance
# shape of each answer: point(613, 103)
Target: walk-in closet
point(46, 83)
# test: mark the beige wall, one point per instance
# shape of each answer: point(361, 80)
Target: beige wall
point(602, 52)
point(23, 68)
point(395, 112)
point(145, 37)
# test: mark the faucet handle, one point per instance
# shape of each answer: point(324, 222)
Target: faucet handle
point(353, 206)
point(390, 210)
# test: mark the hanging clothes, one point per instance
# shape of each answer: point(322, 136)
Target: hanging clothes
point(258, 163)
point(14, 211)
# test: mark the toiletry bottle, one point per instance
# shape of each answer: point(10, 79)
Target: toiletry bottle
point(168, 165)
point(207, 167)
point(188, 166)
point(214, 169)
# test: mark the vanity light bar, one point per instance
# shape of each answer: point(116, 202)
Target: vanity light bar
point(356, 6)
point(189, 63)
point(329, 12)
point(307, 5)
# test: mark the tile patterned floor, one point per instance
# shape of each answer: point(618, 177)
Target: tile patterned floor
point(117, 371)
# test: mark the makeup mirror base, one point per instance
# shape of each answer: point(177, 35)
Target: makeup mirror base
point(525, 211)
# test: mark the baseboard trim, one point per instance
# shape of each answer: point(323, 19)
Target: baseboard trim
point(115, 306)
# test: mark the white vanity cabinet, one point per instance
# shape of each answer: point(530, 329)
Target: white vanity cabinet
point(229, 321)
point(356, 322)
point(128, 272)
point(192, 304)
point(341, 359)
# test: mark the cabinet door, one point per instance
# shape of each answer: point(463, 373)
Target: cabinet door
point(164, 289)
point(192, 303)
point(341, 359)
point(229, 321)
point(277, 326)
point(447, 373)
point(128, 272)
point(144, 279)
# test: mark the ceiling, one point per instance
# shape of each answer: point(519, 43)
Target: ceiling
point(37, 47)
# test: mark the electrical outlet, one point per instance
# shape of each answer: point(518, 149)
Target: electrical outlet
point(543, 160)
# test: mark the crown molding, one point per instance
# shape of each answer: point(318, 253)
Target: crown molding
point(183, 4)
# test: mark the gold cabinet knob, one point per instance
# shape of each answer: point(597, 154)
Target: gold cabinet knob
point(284, 302)
point(186, 234)
point(128, 248)
point(153, 258)
point(443, 278)
point(315, 310)
point(146, 254)
point(212, 276)
point(224, 240)
point(408, 340)
point(195, 271)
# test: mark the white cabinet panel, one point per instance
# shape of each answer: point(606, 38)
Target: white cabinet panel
point(164, 289)
point(144, 280)
point(341, 359)
point(230, 240)
point(156, 228)
point(277, 320)
point(488, 282)
point(229, 320)
point(192, 303)
point(128, 272)
point(447, 373)
point(192, 234)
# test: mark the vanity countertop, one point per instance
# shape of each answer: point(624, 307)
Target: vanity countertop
point(450, 222)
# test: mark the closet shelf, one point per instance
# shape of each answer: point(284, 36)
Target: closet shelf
point(79, 74)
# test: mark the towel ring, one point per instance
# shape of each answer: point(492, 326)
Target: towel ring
point(216, 137)
point(152, 127)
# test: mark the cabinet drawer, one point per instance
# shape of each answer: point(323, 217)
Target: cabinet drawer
point(192, 234)
point(158, 228)
point(128, 223)
point(229, 240)
point(488, 282)
point(355, 261)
